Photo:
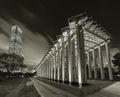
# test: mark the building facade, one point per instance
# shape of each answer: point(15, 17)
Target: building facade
point(15, 40)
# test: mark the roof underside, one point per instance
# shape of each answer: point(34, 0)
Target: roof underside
point(94, 34)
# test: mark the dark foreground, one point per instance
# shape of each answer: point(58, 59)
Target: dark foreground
point(17, 87)
point(37, 87)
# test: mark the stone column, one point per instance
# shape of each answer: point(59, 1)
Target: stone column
point(109, 61)
point(76, 60)
point(47, 69)
point(66, 63)
point(73, 61)
point(94, 64)
point(44, 69)
point(69, 58)
point(80, 55)
point(41, 71)
point(58, 62)
point(53, 63)
point(45, 66)
point(63, 60)
point(89, 66)
point(101, 63)
point(51, 66)
point(86, 76)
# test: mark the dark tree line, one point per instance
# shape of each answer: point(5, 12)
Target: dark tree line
point(116, 62)
point(11, 61)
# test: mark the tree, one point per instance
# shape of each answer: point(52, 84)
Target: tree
point(116, 61)
point(11, 61)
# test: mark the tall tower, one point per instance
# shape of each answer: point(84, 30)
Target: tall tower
point(15, 40)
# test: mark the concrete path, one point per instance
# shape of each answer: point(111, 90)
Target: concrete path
point(8, 86)
point(16, 91)
point(46, 90)
point(110, 91)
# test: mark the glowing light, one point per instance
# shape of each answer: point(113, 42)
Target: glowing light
point(59, 40)
point(65, 34)
point(55, 44)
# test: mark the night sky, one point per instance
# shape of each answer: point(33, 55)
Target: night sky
point(42, 20)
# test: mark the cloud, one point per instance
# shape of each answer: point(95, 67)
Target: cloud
point(35, 45)
point(5, 27)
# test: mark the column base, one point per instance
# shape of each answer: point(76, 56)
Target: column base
point(80, 85)
point(63, 81)
point(70, 83)
point(102, 79)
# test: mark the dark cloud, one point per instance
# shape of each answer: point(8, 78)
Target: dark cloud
point(41, 20)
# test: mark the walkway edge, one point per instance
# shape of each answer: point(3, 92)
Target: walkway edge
point(36, 88)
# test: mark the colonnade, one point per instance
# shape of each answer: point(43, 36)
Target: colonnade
point(69, 61)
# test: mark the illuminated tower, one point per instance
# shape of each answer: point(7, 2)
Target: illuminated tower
point(15, 40)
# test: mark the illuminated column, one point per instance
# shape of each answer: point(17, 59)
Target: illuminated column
point(42, 69)
point(73, 61)
point(80, 55)
point(65, 35)
point(69, 58)
point(53, 63)
point(45, 69)
point(48, 67)
point(44, 72)
point(101, 63)
point(89, 66)
point(76, 59)
point(51, 66)
point(55, 52)
point(40, 72)
point(60, 52)
point(109, 61)
point(58, 62)
point(63, 60)
point(45, 66)
point(94, 64)
point(86, 76)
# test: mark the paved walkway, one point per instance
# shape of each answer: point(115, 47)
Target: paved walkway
point(110, 91)
point(16, 91)
point(8, 86)
point(46, 90)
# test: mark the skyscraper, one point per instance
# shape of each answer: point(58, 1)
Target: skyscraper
point(15, 40)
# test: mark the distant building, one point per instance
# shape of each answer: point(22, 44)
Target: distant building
point(15, 40)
